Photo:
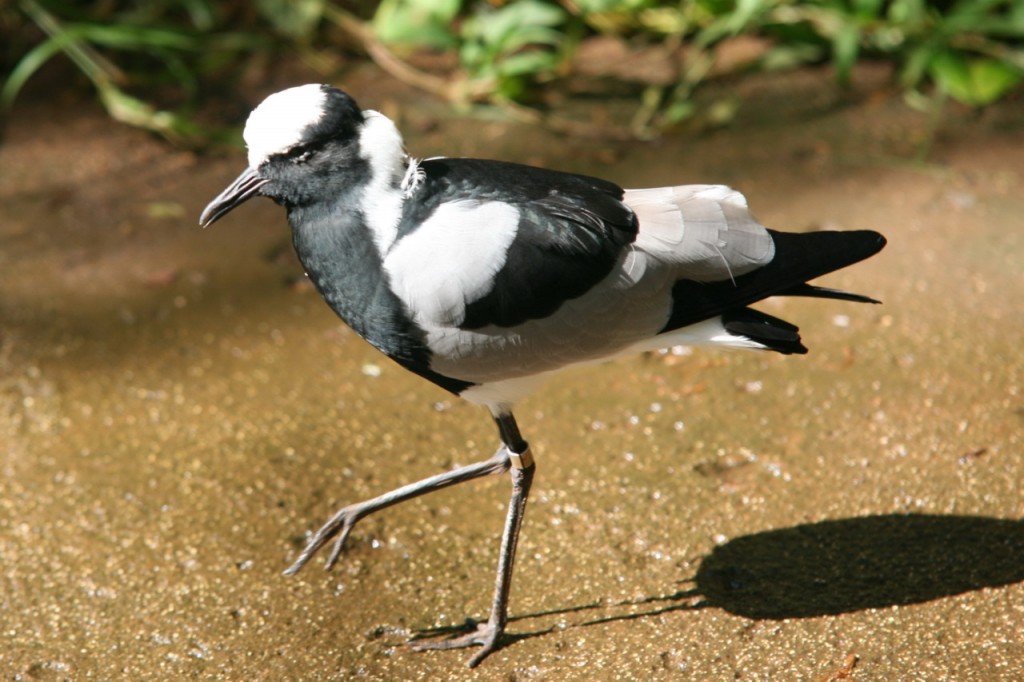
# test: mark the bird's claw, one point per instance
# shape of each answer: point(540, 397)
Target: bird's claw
point(340, 524)
point(339, 544)
point(485, 635)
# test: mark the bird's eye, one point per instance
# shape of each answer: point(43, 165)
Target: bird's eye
point(300, 154)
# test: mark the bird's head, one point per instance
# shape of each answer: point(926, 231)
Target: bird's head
point(294, 137)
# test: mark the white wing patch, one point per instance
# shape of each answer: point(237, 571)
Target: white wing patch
point(451, 259)
point(276, 125)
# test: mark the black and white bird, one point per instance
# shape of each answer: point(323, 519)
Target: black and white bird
point(486, 277)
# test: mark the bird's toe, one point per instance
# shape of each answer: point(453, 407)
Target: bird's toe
point(486, 635)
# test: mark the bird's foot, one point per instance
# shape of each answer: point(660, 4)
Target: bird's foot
point(339, 525)
point(485, 635)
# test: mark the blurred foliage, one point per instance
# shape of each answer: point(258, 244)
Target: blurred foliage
point(123, 48)
point(506, 51)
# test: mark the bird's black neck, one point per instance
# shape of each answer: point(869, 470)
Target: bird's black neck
point(336, 246)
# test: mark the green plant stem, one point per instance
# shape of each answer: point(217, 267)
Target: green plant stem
point(94, 65)
point(387, 60)
point(937, 106)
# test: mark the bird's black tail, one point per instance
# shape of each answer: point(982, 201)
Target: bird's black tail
point(799, 257)
point(804, 256)
point(812, 291)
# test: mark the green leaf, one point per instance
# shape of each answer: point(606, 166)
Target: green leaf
point(425, 23)
point(134, 37)
point(294, 18)
point(27, 66)
point(916, 65)
point(992, 79)
point(678, 112)
point(598, 6)
point(908, 12)
point(977, 81)
point(745, 14)
point(518, 39)
point(513, 22)
point(524, 63)
point(790, 56)
point(867, 9)
point(845, 47)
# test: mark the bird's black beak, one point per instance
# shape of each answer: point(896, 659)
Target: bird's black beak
point(243, 188)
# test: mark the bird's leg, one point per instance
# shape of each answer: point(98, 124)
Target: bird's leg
point(488, 635)
point(343, 521)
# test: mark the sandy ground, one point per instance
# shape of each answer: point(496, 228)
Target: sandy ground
point(177, 408)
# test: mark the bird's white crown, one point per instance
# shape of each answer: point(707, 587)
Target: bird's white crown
point(278, 123)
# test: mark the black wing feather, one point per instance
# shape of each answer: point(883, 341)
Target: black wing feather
point(572, 229)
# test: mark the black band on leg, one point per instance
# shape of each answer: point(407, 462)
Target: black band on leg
point(513, 440)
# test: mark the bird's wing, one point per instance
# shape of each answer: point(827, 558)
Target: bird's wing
point(500, 244)
point(705, 231)
point(561, 249)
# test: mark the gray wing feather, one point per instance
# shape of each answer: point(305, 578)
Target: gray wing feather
point(705, 230)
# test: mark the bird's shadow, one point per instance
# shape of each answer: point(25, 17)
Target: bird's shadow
point(830, 568)
point(848, 565)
